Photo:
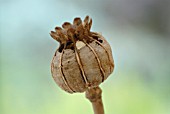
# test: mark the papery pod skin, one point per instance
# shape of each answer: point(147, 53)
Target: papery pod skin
point(84, 59)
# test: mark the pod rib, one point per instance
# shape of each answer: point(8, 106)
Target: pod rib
point(63, 76)
point(112, 65)
point(81, 67)
point(98, 61)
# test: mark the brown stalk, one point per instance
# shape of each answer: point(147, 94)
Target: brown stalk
point(94, 95)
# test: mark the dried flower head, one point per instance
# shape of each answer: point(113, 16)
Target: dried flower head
point(83, 59)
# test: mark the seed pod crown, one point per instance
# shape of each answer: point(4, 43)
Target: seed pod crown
point(83, 59)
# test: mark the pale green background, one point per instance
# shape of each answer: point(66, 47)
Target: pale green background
point(138, 32)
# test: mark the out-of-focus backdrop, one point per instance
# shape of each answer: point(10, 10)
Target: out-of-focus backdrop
point(137, 30)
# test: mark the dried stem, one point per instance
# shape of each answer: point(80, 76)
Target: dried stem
point(94, 95)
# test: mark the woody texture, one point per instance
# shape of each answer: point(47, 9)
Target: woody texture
point(83, 60)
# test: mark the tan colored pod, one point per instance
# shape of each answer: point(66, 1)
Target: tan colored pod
point(84, 59)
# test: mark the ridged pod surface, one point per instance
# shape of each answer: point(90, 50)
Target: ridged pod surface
point(84, 58)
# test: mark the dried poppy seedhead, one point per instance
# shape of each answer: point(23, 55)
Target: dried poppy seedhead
point(83, 59)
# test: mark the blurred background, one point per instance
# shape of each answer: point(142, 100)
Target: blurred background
point(137, 30)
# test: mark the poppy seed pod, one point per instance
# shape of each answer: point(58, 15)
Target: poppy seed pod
point(84, 58)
